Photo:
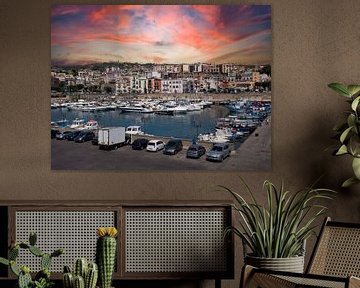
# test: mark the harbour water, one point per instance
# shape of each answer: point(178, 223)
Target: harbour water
point(184, 126)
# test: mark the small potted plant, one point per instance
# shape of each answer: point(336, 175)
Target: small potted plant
point(42, 278)
point(349, 132)
point(275, 234)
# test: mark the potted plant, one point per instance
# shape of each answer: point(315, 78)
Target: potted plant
point(349, 132)
point(42, 278)
point(276, 233)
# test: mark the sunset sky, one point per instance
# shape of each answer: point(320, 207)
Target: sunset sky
point(82, 34)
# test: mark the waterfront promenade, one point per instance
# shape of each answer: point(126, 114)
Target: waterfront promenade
point(255, 153)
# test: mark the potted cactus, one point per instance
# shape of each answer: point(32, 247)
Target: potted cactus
point(84, 275)
point(106, 254)
point(42, 278)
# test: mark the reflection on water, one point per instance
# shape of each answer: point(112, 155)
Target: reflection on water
point(185, 126)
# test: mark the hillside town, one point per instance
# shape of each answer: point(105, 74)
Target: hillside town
point(134, 78)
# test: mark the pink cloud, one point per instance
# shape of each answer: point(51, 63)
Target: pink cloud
point(107, 11)
point(124, 21)
point(202, 27)
point(210, 13)
point(164, 15)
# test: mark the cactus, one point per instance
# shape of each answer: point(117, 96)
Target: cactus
point(13, 253)
point(14, 268)
point(57, 253)
point(106, 254)
point(68, 280)
point(79, 282)
point(91, 276)
point(24, 280)
point(67, 269)
point(32, 239)
point(80, 267)
point(45, 261)
point(87, 272)
point(42, 278)
point(44, 273)
point(36, 251)
point(4, 261)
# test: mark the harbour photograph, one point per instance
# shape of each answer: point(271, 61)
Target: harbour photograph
point(161, 87)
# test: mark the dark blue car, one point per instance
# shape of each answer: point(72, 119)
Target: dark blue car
point(71, 136)
point(84, 136)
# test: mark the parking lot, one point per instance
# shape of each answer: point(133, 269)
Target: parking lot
point(253, 155)
point(85, 156)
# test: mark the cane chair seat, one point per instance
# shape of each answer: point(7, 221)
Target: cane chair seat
point(335, 262)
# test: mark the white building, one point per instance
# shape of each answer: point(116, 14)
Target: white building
point(172, 86)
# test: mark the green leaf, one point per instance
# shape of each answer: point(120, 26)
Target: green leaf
point(349, 182)
point(342, 150)
point(341, 127)
point(354, 146)
point(351, 120)
point(340, 88)
point(356, 167)
point(345, 134)
point(355, 103)
point(353, 89)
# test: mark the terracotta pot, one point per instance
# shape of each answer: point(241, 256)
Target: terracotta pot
point(291, 264)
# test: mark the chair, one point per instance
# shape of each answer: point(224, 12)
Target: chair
point(335, 262)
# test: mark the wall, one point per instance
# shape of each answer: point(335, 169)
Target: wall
point(314, 43)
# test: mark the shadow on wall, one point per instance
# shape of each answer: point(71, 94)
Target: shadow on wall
point(331, 170)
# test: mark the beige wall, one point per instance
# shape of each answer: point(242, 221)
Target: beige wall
point(315, 42)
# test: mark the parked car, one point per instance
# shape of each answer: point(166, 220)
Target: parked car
point(71, 136)
point(53, 133)
point(155, 145)
point(173, 146)
point(195, 151)
point(139, 144)
point(218, 152)
point(85, 136)
point(62, 135)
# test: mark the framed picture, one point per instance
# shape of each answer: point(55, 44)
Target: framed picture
point(161, 87)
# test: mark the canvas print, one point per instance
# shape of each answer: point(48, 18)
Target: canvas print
point(161, 87)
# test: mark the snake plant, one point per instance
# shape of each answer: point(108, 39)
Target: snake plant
point(280, 228)
point(349, 132)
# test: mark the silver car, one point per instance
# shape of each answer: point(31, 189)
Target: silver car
point(195, 151)
point(218, 152)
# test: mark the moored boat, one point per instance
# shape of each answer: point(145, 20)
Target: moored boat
point(77, 123)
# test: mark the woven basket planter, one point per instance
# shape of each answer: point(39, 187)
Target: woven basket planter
point(291, 264)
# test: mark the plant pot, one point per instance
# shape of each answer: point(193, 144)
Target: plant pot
point(291, 264)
